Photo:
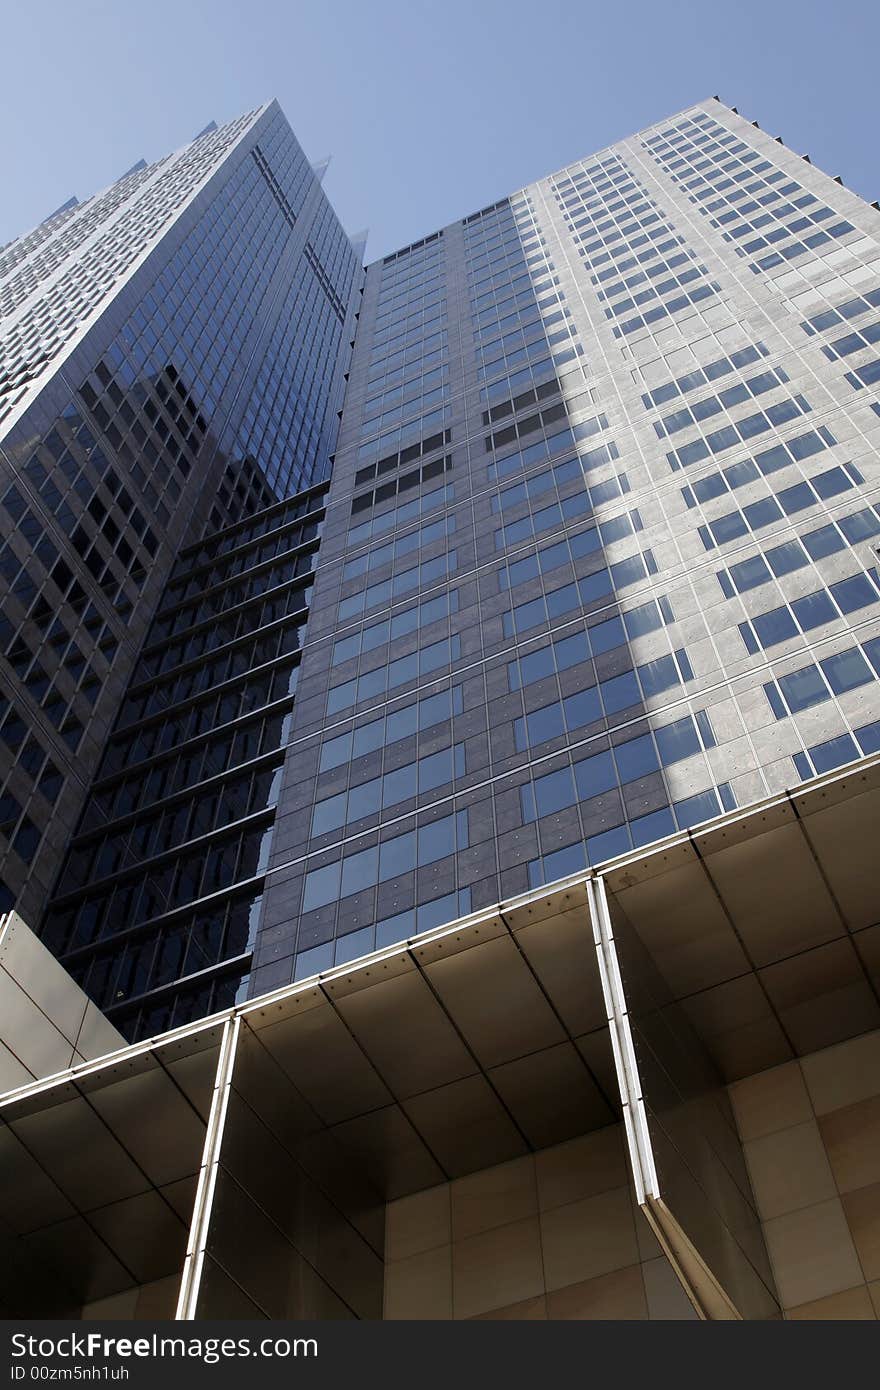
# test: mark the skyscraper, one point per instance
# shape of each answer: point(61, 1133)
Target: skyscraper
point(598, 562)
point(535, 566)
point(171, 361)
point(596, 566)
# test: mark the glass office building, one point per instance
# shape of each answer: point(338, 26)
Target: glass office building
point(171, 361)
point(441, 734)
point(598, 563)
point(596, 556)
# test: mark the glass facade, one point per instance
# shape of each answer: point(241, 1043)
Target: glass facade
point(598, 559)
point(597, 505)
point(171, 361)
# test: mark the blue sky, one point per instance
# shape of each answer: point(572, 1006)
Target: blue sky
point(430, 110)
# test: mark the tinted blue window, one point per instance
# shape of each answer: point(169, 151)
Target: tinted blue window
point(359, 871)
point(354, 944)
point(605, 636)
point(762, 513)
point(594, 776)
point(859, 526)
point(694, 809)
point(693, 452)
point(831, 483)
point(775, 626)
point(710, 487)
point(748, 574)
point(727, 528)
point(786, 558)
point(802, 766)
point(677, 741)
point(647, 618)
point(543, 724)
point(313, 961)
point(814, 609)
point(659, 675)
point(553, 791)
point(833, 753)
point(645, 829)
point(608, 844)
point(803, 688)
point(620, 692)
point(738, 474)
point(436, 841)
point(569, 651)
point(321, 887)
point(722, 439)
point(853, 593)
point(635, 759)
point(869, 737)
point(397, 856)
point(824, 541)
point(846, 671)
point(582, 708)
point(594, 586)
point(769, 460)
point(557, 865)
point(794, 499)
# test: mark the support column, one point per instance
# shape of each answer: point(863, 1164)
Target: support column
point(191, 1276)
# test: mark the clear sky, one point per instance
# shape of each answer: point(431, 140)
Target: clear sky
point(430, 108)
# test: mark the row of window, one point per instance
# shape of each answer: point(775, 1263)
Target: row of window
point(387, 932)
point(747, 471)
point(800, 248)
point(672, 306)
point(600, 773)
point(788, 502)
point(575, 547)
point(602, 701)
point(172, 953)
point(701, 376)
point(227, 748)
point(391, 628)
point(402, 671)
point(205, 675)
point(401, 854)
point(633, 834)
point(570, 598)
point(241, 697)
point(834, 752)
point(405, 582)
point(413, 779)
point(173, 883)
point(864, 376)
point(820, 680)
point(580, 503)
point(842, 313)
point(392, 551)
point(424, 713)
point(725, 400)
point(222, 631)
point(627, 285)
point(811, 611)
point(165, 830)
point(238, 538)
point(795, 554)
point(294, 565)
point(404, 483)
point(561, 653)
point(248, 556)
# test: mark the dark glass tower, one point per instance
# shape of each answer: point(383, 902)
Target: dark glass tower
point(172, 362)
point(596, 557)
